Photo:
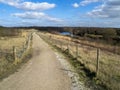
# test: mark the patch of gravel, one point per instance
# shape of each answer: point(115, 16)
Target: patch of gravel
point(68, 68)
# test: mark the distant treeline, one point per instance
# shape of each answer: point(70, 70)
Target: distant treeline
point(82, 31)
point(111, 35)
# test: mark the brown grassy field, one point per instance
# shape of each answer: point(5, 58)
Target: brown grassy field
point(8, 42)
point(109, 62)
point(7, 61)
point(92, 43)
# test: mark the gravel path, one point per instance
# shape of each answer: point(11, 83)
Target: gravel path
point(69, 69)
point(42, 72)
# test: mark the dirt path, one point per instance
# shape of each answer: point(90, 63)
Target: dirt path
point(42, 72)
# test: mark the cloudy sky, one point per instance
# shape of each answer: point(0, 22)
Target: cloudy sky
point(92, 13)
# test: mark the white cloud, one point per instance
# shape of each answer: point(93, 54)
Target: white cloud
point(37, 15)
point(109, 9)
point(86, 2)
point(35, 6)
point(10, 2)
point(29, 5)
point(75, 5)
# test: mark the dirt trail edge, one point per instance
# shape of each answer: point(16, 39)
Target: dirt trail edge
point(42, 72)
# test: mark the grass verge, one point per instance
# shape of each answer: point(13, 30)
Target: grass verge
point(84, 73)
point(86, 62)
point(8, 67)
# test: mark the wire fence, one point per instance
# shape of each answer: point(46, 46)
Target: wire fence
point(105, 64)
point(16, 53)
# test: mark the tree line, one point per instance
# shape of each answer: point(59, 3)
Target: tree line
point(110, 35)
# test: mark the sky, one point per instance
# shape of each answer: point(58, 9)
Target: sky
point(74, 13)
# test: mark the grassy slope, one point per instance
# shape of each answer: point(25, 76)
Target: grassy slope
point(109, 74)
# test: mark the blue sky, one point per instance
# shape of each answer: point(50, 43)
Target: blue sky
point(89, 13)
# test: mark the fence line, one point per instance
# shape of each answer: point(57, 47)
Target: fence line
point(96, 60)
point(24, 48)
point(97, 65)
point(16, 53)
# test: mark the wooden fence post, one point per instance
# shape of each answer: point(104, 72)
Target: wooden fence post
point(61, 45)
point(57, 43)
point(14, 53)
point(50, 39)
point(68, 47)
point(97, 65)
point(24, 48)
point(77, 51)
point(28, 43)
point(53, 42)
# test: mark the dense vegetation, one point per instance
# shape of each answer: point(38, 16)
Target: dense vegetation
point(107, 35)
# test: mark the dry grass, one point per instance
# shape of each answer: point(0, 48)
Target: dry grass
point(7, 63)
point(84, 41)
point(8, 43)
point(109, 63)
point(110, 69)
point(18, 41)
